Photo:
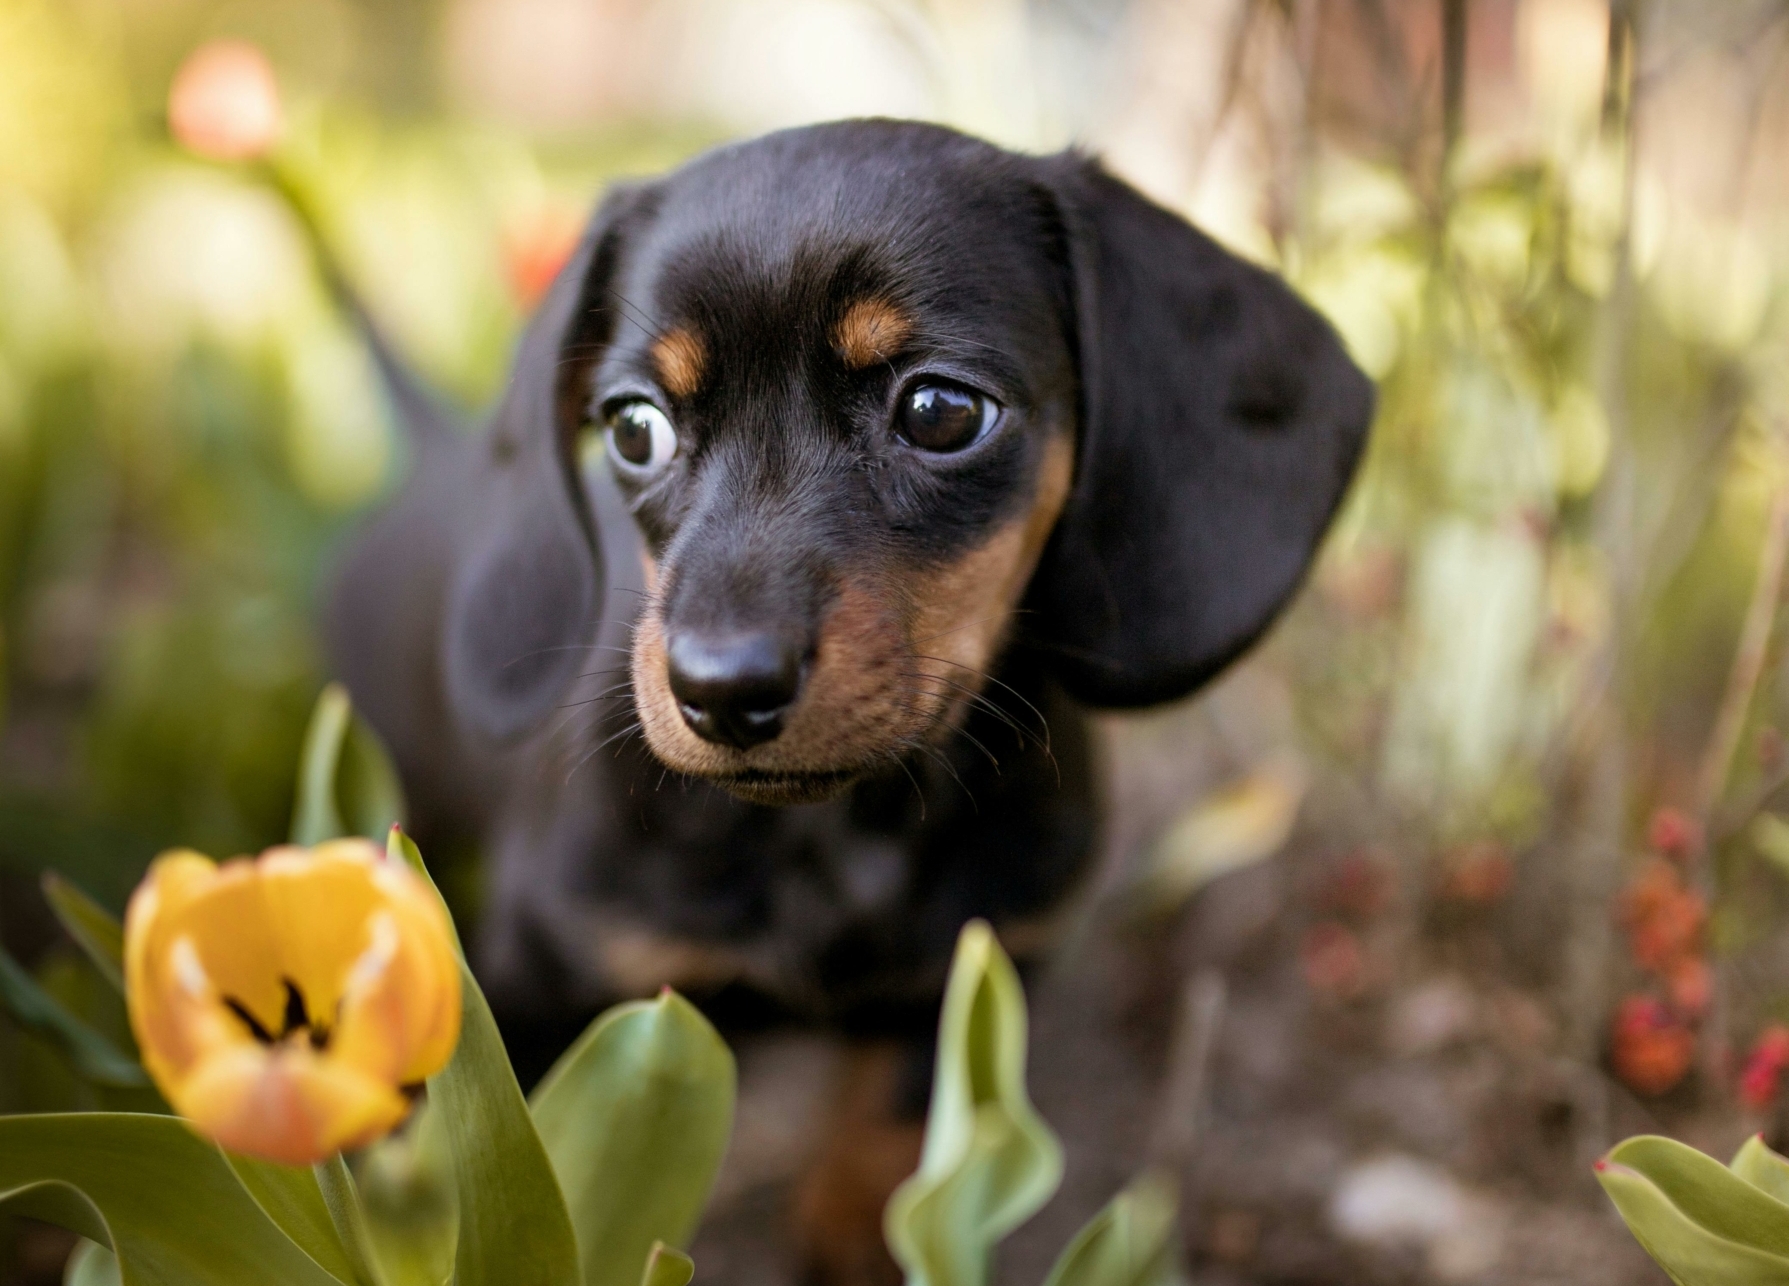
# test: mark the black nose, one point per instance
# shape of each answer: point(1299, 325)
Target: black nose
point(733, 689)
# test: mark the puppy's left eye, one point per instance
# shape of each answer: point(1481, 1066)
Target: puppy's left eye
point(640, 435)
point(945, 417)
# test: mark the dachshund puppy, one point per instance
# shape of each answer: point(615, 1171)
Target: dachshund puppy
point(837, 472)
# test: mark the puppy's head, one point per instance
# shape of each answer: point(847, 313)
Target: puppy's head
point(883, 401)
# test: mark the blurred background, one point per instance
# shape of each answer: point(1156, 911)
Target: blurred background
point(1472, 870)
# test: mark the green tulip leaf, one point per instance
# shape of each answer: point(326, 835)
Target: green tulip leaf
point(1704, 1224)
point(667, 1267)
point(341, 1198)
point(91, 1054)
point(636, 1117)
point(1129, 1243)
point(406, 1189)
point(290, 1197)
point(94, 929)
point(165, 1201)
point(989, 1160)
point(513, 1225)
point(346, 783)
point(91, 1264)
point(399, 847)
point(513, 1222)
point(1762, 1168)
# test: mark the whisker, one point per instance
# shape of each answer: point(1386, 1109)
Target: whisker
point(976, 701)
point(607, 694)
point(966, 625)
point(590, 754)
point(986, 677)
point(947, 766)
point(901, 763)
point(631, 311)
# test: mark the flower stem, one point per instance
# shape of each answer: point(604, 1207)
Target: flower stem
point(342, 1199)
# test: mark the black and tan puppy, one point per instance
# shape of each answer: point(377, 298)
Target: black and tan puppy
point(836, 470)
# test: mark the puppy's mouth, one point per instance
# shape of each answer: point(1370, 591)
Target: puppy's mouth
point(762, 786)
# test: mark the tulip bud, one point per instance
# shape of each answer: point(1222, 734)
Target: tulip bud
point(535, 247)
point(224, 103)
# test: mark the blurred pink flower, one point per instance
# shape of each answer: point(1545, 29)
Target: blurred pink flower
point(1675, 834)
point(1763, 1073)
point(224, 103)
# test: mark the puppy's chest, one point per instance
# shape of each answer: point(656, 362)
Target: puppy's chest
point(828, 907)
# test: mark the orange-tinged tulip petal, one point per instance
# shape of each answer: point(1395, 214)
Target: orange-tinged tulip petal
point(285, 1004)
point(294, 1105)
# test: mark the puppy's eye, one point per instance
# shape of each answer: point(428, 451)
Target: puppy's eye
point(944, 417)
point(640, 435)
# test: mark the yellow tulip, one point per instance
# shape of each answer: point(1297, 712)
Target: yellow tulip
point(290, 1006)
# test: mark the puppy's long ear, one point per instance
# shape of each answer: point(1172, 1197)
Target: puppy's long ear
point(1221, 422)
point(526, 591)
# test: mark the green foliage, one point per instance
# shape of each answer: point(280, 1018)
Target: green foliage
point(667, 1267)
point(990, 1162)
point(1129, 1243)
point(164, 1200)
point(34, 1009)
point(407, 1193)
point(294, 1200)
point(92, 1264)
point(346, 783)
point(1706, 1224)
point(513, 1221)
point(636, 1117)
point(94, 929)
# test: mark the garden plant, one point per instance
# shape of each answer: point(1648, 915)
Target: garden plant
point(298, 1008)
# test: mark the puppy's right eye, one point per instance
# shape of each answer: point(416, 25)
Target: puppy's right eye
point(945, 418)
point(640, 435)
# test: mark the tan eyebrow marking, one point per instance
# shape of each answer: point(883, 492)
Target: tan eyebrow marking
point(872, 330)
point(679, 355)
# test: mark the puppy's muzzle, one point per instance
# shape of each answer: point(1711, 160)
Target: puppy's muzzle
point(734, 689)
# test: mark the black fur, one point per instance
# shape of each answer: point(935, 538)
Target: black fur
point(482, 623)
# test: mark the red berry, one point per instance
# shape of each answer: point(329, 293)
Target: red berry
point(1650, 1047)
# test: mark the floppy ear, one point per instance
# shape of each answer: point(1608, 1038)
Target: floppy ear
point(526, 592)
point(1221, 422)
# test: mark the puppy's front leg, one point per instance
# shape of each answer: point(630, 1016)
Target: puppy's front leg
point(871, 1143)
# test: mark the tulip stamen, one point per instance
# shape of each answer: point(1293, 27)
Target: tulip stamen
point(296, 1016)
point(249, 1020)
point(298, 1019)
